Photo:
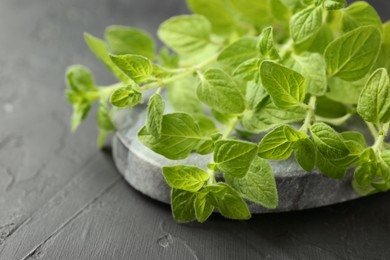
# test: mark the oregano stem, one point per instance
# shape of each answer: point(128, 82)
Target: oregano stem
point(334, 121)
point(373, 130)
point(186, 72)
point(310, 114)
point(378, 146)
point(230, 127)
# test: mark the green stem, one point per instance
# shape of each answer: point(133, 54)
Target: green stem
point(373, 130)
point(211, 177)
point(378, 146)
point(185, 73)
point(334, 121)
point(310, 114)
point(230, 127)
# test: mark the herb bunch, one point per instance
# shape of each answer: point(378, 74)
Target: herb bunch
point(228, 73)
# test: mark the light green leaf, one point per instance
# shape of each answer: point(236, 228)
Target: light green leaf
point(321, 40)
point(267, 116)
point(227, 200)
point(328, 167)
point(305, 154)
point(182, 96)
point(180, 135)
point(351, 56)
point(258, 185)
point(346, 92)
point(266, 46)
point(155, 114)
point(80, 113)
point(279, 10)
point(136, 67)
point(218, 90)
point(238, 52)
point(328, 108)
point(248, 70)
point(334, 4)
point(186, 34)
point(286, 87)
point(217, 12)
point(328, 141)
point(356, 137)
point(127, 40)
point(99, 48)
point(182, 204)
point(386, 157)
point(188, 178)
point(167, 59)
point(365, 172)
point(255, 93)
point(125, 97)
point(313, 67)
point(374, 100)
point(278, 144)
point(79, 79)
point(305, 24)
point(363, 190)
point(360, 14)
point(104, 120)
point(253, 11)
point(234, 157)
point(203, 208)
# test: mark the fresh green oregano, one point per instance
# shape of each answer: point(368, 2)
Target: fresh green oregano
point(286, 70)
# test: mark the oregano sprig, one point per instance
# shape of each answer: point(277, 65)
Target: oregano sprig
point(289, 69)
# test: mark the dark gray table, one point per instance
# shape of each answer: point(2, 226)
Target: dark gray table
point(62, 198)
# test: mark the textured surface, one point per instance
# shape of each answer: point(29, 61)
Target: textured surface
point(61, 198)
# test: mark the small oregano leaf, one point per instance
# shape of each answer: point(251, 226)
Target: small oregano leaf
point(328, 141)
point(352, 55)
point(266, 46)
point(180, 135)
point(374, 100)
point(258, 185)
point(136, 67)
point(188, 178)
point(334, 4)
point(155, 114)
point(305, 24)
point(220, 91)
point(278, 144)
point(286, 87)
point(182, 205)
point(238, 52)
point(305, 154)
point(360, 14)
point(186, 34)
point(79, 79)
point(234, 157)
point(125, 97)
point(203, 208)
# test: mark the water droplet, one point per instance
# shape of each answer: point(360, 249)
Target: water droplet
point(165, 241)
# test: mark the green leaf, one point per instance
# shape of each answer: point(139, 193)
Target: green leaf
point(80, 113)
point(334, 4)
point(360, 14)
point(258, 185)
point(186, 34)
point(374, 100)
point(168, 59)
point(351, 56)
point(321, 40)
point(227, 200)
point(278, 144)
point(155, 114)
point(238, 52)
point(203, 208)
point(79, 79)
point(266, 46)
point(267, 116)
point(125, 97)
point(180, 135)
point(218, 90)
point(136, 67)
point(363, 190)
point(328, 108)
point(248, 70)
point(329, 167)
point(286, 87)
point(305, 24)
point(182, 203)
point(234, 157)
point(217, 12)
point(101, 138)
point(104, 120)
point(255, 12)
point(313, 67)
point(255, 93)
point(386, 157)
point(188, 178)
point(305, 154)
point(328, 141)
point(279, 10)
point(127, 40)
point(346, 92)
point(365, 172)
point(99, 48)
point(356, 137)
point(182, 96)
point(205, 123)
